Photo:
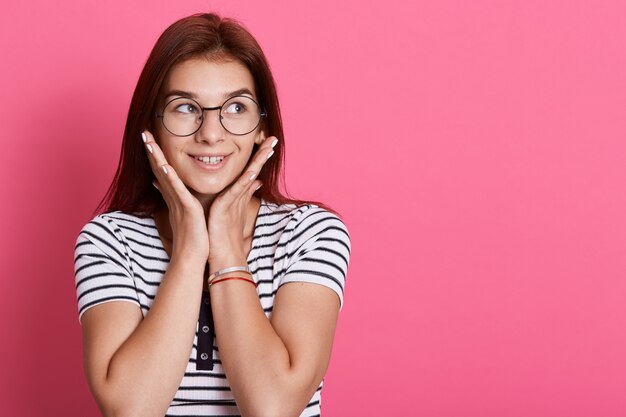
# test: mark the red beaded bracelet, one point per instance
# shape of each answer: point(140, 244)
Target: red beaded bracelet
point(215, 281)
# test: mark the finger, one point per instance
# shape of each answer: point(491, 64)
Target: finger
point(168, 182)
point(155, 154)
point(263, 154)
point(245, 180)
point(255, 185)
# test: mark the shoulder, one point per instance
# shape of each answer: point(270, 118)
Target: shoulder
point(301, 229)
point(110, 232)
point(111, 226)
point(303, 221)
point(316, 248)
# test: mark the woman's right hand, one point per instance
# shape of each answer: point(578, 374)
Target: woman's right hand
point(186, 215)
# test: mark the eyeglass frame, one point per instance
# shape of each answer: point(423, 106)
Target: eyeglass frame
point(262, 114)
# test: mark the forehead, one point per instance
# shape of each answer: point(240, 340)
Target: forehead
point(209, 80)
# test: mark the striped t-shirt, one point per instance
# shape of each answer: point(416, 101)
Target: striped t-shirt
point(120, 257)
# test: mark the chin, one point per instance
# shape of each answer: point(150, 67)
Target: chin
point(203, 193)
point(206, 190)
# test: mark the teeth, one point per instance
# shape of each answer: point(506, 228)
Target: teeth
point(210, 160)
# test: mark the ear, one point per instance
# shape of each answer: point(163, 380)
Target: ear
point(260, 137)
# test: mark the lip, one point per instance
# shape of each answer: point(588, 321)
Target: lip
point(210, 168)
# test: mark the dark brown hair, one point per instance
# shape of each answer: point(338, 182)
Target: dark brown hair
point(199, 35)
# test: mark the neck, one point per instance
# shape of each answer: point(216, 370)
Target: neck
point(206, 202)
point(162, 218)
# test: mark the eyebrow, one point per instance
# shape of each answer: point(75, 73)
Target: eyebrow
point(226, 95)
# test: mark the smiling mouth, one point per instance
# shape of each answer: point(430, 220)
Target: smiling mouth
point(210, 160)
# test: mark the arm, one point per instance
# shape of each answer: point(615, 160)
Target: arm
point(274, 366)
point(134, 366)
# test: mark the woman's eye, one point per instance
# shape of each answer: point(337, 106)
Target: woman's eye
point(187, 108)
point(235, 108)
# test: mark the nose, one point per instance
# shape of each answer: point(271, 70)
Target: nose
point(211, 130)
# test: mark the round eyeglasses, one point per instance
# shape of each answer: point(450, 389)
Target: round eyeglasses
point(238, 115)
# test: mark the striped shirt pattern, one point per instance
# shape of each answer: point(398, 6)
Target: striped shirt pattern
point(120, 257)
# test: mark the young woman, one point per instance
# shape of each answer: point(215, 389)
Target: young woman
point(181, 282)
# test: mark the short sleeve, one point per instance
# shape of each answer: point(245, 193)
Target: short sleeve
point(101, 266)
point(318, 250)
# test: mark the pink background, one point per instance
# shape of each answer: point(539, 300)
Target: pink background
point(476, 150)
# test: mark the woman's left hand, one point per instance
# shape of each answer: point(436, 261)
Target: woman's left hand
point(228, 213)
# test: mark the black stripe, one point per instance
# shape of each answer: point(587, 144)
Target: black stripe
point(83, 243)
point(149, 257)
point(317, 273)
point(88, 265)
point(269, 245)
point(282, 271)
point(205, 374)
point(105, 242)
point(156, 238)
point(149, 245)
point(102, 274)
point(331, 239)
point(262, 268)
point(101, 300)
point(323, 261)
point(103, 287)
point(146, 269)
point(109, 216)
point(312, 404)
point(319, 232)
point(330, 251)
point(104, 256)
point(204, 388)
point(266, 235)
point(268, 295)
point(282, 219)
point(193, 401)
point(106, 229)
point(271, 255)
point(150, 296)
point(145, 281)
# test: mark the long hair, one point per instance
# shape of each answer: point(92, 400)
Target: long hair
point(199, 35)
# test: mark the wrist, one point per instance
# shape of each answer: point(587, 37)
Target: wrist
point(231, 269)
point(187, 267)
point(223, 263)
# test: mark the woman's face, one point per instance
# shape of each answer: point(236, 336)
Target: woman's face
point(195, 157)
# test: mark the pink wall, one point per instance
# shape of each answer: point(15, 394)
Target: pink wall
point(477, 150)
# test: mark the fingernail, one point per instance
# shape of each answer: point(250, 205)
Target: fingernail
point(274, 142)
point(259, 186)
point(164, 168)
point(149, 148)
point(253, 176)
point(155, 185)
point(270, 154)
point(143, 137)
